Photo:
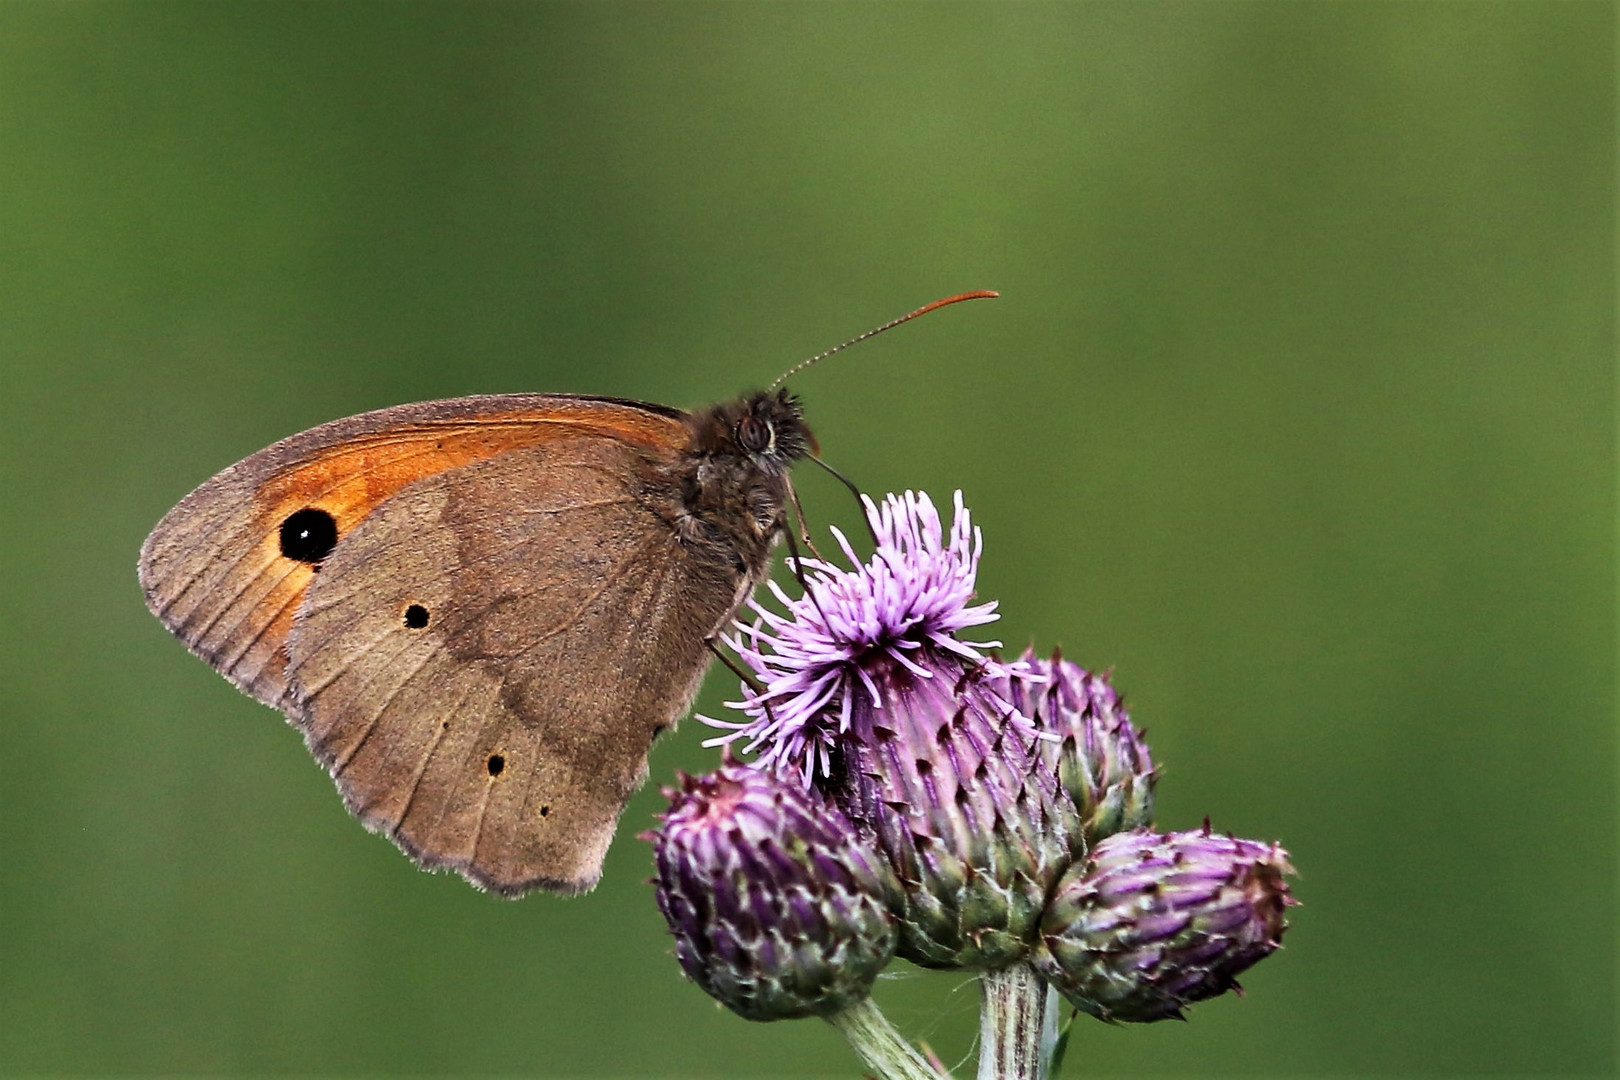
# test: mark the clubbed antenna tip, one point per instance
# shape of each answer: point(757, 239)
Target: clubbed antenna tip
point(978, 294)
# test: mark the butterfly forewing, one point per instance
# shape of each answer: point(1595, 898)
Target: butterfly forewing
point(216, 570)
point(477, 610)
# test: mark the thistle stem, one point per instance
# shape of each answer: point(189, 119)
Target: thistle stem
point(1014, 1033)
point(879, 1044)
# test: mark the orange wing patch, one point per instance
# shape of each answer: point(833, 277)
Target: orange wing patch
point(214, 571)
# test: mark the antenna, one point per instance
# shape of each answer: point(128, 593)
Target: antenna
point(981, 294)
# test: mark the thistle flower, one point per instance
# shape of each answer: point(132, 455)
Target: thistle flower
point(1151, 923)
point(911, 597)
point(870, 696)
point(1100, 758)
point(778, 910)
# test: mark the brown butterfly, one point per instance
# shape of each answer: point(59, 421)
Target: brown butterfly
point(482, 611)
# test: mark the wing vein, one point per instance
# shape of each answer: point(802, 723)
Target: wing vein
point(608, 580)
point(493, 689)
point(308, 692)
point(258, 635)
point(377, 715)
point(427, 758)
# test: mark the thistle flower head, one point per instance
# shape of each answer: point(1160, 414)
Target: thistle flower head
point(1150, 923)
point(777, 908)
point(910, 599)
point(1101, 759)
point(869, 696)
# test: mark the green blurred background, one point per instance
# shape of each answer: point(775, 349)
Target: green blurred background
point(1297, 411)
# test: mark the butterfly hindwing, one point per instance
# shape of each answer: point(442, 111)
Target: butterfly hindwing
point(484, 663)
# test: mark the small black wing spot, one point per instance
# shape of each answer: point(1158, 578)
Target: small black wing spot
point(496, 764)
point(416, 616)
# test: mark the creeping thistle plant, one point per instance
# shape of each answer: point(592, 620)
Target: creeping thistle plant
point(913, 795)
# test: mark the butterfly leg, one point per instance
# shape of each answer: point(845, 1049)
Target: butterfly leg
point(804, 528)
point(712, 644)
point(798, 564)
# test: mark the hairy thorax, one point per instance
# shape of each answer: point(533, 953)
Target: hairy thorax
point(735, 484)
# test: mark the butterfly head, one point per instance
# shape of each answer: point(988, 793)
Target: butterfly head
point(765, 428)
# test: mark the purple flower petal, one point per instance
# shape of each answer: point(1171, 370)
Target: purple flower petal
point(913, 593)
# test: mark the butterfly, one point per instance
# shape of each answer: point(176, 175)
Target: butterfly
point(480, 612)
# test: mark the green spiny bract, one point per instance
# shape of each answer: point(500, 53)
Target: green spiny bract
point(1101, 759)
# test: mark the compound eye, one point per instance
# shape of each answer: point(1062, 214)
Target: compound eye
point(755, 435)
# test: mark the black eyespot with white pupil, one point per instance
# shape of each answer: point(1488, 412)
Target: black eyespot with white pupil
point(308, 535)
point(755, 435)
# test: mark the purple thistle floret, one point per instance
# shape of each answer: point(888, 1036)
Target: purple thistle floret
point(911, 733)
point(913, 595)
point(1101, 759)
point(778, 909)
point(1151, 923)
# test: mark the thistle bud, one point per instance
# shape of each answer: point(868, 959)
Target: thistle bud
point(1102, 760)
point(1151, 923)
point(871, 696)
point(778, 910)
